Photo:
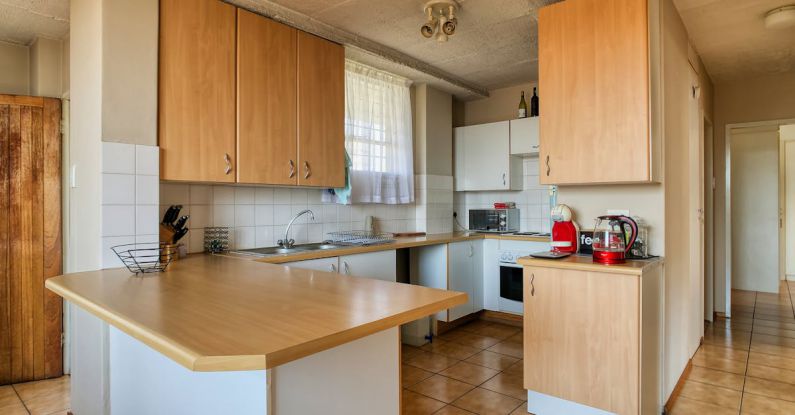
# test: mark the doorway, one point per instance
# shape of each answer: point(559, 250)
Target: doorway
point(754, 213)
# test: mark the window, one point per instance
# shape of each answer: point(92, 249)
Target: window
point(378, 135)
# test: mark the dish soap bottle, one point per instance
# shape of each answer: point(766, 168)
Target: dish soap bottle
point(522, 107)
point(534, 104)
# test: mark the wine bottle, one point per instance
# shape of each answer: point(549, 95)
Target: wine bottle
point(522, 107)
point(534, 104)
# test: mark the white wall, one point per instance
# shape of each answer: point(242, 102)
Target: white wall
point(754, 208)
point(788, 136)
point(46, 73)
point(14, 69)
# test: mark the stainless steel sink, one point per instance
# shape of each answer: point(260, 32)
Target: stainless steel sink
point(277, 250)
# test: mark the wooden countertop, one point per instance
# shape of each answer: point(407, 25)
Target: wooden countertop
point(585, 263)
point(402, 242)
point(213, 313)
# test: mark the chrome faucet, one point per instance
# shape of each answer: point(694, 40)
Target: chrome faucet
point(287, 242)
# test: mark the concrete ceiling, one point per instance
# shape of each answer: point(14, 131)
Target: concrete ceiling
point(495, 44)
point(25, 20)
point(731, 38)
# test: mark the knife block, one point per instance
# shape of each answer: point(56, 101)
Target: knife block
point(166, 234)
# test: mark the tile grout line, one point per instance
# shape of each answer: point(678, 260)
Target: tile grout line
point(24, 405)
point(748, 359)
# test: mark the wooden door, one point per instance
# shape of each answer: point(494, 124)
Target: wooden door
point(582, 337)
point(594, 78)
point(267, 140)
point(196, 111)
point(321, 112)
point(30, 238)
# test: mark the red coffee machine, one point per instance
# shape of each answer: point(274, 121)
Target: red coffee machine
point(613, 237)
point(565, 232)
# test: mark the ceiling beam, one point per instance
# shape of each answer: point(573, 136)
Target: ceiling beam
point(308, 24)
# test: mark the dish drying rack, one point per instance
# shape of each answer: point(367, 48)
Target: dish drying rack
point(145, 258)
point(360, 238)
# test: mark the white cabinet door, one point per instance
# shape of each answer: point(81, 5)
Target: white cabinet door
point(322, 264)
point(462, 275)
point(380, 265)
point(524, 136)
point(483, 160)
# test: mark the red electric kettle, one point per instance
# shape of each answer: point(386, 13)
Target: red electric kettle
point(613, 236)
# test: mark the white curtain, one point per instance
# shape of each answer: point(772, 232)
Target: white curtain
point(378, 135)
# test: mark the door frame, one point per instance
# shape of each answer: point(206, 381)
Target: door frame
point(727, 219)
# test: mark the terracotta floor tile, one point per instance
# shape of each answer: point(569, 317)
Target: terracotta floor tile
point(492, 360)
point(451, 335)
point(734, 324)
point(776, 324)
point(500, 331)
point(711, 394)
point(719, 363)
point(415, 404)
point(407, 351)
point(774, 340)
point(516, 368)
point(470, 373)
point(507, 384)
point(773, 349)
point(45, 396)
point(723, 352)
point(10, 403)
point(411, 375)
point(452, 349)
point(485, 402)
point(687, 406)
point(441, 388)
point(716, 377)
point(772, 373)
point(508, 348)
point(475, 340)
point(770, 388)
point(521, 410)
point(431, 361)
point(762, 405)
point(771, 361)
point(475, 326)
point(774, 331)
point(452, 410)
point(738, 340)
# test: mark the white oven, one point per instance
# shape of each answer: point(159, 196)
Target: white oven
point(510, 281)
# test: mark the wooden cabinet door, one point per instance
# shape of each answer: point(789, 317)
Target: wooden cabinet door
point(30, 238)
point(321, 112)
point(267, 140)
point(196, 111)
point(582, 337)
point(460, 258)
point(594, 76)
point(381, 265)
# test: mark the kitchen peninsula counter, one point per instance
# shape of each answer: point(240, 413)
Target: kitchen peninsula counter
point(585, 263)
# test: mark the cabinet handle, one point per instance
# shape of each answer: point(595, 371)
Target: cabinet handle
point(471, 251)
point(308, 170)
point(228, 161)
point(532, 285)
point(535, 146)
point(292, 169)
point(548, 169)
point(333, 268)
point(346, 267)
point(503, 179)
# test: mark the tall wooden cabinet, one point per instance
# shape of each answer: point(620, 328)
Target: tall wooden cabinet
point(267, 83)
point(249, 100)
point(196, 98)
point(594, 74)
point(321, 111)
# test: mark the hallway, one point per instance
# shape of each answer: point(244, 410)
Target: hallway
point(746, 364)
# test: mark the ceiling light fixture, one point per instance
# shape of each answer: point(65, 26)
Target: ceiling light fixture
point(781, 17)
point(440, 19)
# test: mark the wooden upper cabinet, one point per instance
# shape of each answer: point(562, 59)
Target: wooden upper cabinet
point(196, 110)
point(267, 146)
point(594, 78)
point(321, 112)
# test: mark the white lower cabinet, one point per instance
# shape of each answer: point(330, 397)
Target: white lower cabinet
point(322, 264)
point(465, 273)
point(381, 265)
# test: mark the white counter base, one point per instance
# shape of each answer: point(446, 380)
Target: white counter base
point(541, 404)
point(360, 377)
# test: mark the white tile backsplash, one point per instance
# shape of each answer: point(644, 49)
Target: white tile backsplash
point(131, 197)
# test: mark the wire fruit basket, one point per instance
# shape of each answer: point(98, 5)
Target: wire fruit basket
point(360, 238)
point(145, 258)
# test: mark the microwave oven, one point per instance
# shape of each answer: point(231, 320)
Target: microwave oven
point(494, 220)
